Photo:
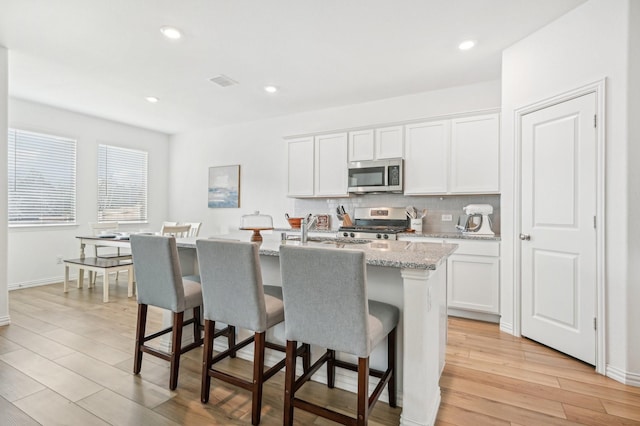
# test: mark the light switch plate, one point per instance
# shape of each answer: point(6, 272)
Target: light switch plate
point(446, 217)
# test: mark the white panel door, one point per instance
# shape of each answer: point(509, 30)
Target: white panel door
point(426, 164)
point(475, 154)
point(558, 235)
point(331, 165)
point(301, 167)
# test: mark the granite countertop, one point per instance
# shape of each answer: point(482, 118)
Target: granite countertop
point(394, 254)
point(450, 235)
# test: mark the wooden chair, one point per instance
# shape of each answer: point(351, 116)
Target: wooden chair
point(160, 284)
point(195, 228)
point(178, 231)
point(325, 304)
point(233, 293)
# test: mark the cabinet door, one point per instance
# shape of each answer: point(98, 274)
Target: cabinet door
point(427, 158)
point(389, 142)
point(301, 167)
point(361, 145)
point(475, 154)
point(331, 165)
point(473, 283)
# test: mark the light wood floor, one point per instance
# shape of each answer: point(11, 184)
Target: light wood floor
point(67, 359)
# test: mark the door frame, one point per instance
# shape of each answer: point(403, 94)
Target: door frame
point(598, 87)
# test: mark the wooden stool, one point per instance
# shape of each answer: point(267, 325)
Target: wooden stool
point(98, 264)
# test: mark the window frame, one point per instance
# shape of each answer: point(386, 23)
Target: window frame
point(14, 133)
point(119, 151)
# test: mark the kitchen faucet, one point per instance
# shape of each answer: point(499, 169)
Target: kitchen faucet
point(304, 227)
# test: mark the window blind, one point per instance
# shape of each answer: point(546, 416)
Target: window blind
point(122, 184)
point(42, 179)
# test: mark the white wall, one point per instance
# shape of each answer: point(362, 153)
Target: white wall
point(262, 153)
point(33, 251)
point(585, 45)
point(4, 302)
point(633, 319)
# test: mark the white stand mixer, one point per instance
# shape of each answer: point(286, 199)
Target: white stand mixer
point(478, 222)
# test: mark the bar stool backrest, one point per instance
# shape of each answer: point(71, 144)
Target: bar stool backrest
point(325, 298)
point(231, 280)
point(157, 270)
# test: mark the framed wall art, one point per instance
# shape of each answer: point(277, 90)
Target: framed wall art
point(224, 187)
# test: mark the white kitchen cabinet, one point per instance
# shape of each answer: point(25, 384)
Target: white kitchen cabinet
point(362, 145)
point(426, 162)
point(318, 166)
point(331, 165)
point(388, 142)
point(457, 156)
point(376, 144)
point(301, 167)
point(475, 154)
point(473, 277)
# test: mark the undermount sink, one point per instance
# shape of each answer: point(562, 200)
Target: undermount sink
point(328, 240)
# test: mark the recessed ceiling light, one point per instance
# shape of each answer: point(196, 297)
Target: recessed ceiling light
point(270, 89)
point(466, 45)
point(171, 32)
point(152, 99)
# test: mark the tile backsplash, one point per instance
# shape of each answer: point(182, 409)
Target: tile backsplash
point(436, 207)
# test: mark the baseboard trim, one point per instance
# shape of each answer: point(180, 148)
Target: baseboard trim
point(5, 320)
point(38, 283)
point(506, 327)
point(622, 376)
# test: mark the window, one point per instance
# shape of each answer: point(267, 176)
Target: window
point(122, 184)
point(42, 179)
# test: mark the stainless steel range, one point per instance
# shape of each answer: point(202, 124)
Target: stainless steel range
point(371, 223)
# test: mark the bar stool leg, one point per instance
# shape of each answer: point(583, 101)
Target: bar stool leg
point(207, 359)
point(258, 376)
point(176, 346)
point(331, 368)
point(363, 391)
point(140, 330)
point(289, 382)
point(391, 365)
point(66, 278)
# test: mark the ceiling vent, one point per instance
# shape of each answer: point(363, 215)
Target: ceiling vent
point(223, 81)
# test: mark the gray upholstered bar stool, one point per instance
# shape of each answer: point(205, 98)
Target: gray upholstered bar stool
point(325, 304)
point(159, 281)
point(233, 293)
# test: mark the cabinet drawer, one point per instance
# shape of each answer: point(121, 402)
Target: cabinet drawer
point(476, 248)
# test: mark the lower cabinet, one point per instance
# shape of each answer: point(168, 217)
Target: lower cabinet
point(473, 278)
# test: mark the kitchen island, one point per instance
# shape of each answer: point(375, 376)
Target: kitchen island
point(410, 275)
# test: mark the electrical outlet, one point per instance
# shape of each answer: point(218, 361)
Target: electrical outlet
point(446, 217)
point(59, 259)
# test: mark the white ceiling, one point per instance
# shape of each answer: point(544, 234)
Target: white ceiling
point(104, 57)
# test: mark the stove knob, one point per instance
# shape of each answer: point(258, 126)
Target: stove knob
point(378, 236)
point(352, 235)
point(345, 234)
point(386, 236)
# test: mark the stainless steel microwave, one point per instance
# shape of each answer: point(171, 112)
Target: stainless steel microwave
point(375, 176)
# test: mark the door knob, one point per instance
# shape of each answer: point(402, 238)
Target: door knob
point(525, 237)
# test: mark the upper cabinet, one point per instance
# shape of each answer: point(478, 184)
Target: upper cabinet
point(457, 156)
point(376, 144)
point(331, 165)
point(475, 154)
point(426, 168)
point(318, 166)
point(301, 166)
